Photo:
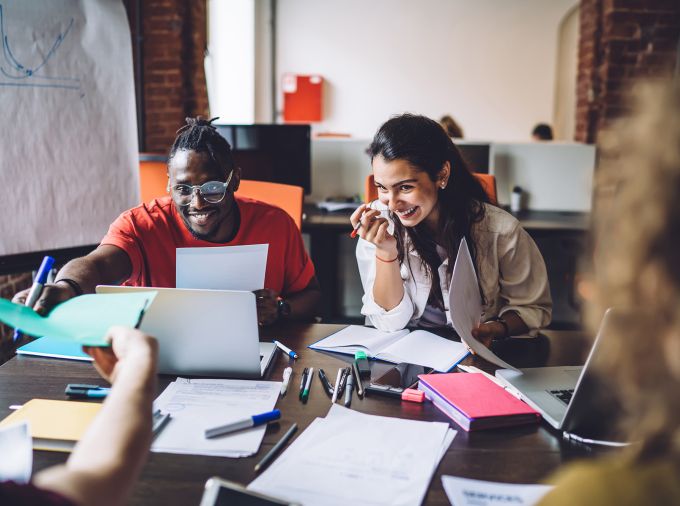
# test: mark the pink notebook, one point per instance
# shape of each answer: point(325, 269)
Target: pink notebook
point(475, 402)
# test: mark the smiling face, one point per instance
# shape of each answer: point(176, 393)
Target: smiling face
point(206, 221)
point(408, 192)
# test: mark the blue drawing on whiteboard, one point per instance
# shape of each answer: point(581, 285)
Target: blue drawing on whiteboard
point(22, 75)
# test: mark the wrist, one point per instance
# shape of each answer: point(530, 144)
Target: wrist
point(500, 326)
point(75, 287)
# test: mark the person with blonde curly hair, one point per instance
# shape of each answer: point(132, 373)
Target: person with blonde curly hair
point(637, 267)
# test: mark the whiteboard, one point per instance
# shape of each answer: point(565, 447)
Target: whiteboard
point(69, 156)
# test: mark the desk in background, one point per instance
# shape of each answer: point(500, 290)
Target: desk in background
point(561, 237)
point(514, 455)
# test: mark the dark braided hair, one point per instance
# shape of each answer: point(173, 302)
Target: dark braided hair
point(201, 136)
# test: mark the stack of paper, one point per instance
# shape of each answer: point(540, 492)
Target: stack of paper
point(199, 404)
point(353, 458)
point(17, 453)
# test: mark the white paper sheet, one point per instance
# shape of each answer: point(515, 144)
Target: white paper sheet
point(465, 303)
point(353, 458)
point(16, 449)
point(222, 268)
point(69, 153)
point(466, 492)
point(199, 404)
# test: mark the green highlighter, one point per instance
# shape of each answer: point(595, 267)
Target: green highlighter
point(361, 360)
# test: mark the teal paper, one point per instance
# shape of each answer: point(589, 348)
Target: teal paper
point(84, 319)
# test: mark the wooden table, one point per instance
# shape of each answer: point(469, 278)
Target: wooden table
point(519, 455)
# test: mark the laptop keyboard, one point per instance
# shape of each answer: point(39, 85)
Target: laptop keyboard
point(562, 395)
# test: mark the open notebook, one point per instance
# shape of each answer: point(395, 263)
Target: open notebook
point(418, 347)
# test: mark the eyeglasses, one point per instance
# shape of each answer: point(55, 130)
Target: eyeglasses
point(212, 191)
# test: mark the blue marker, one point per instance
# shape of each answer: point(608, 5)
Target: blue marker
point(252, 421)
point(36, 289)
point(86, 391)
point(286, 349)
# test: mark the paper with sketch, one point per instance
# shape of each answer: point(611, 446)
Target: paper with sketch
point(466, 492)
point(199, 404)
point(84, 319)
point(353, 458)
point(70, 151)
point(222, 267)
point(16, 448)
point(465, 304)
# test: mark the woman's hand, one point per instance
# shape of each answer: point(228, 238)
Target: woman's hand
point(487, 332)
point(374, 230)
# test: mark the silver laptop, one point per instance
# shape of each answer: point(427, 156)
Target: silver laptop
point(204, 332)
point(570, 398)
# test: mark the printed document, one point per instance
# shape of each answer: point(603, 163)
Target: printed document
point(222, 268)
point(466, 492)
point(465, 303)
point(353, 458)
point(199, 404)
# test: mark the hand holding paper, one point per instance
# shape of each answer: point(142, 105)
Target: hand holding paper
point(465, 303)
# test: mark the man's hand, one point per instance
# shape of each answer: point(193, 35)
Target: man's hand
point(51, 296)
point(130, 349)
point(267, 306)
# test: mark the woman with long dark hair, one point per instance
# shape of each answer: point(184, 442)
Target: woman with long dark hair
point(432, 201)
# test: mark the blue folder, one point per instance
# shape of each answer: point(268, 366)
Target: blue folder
point(54, 348)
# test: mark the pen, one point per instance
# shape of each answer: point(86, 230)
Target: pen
point(348, 390)
point(340, 387)
point(287, 372)
point(275, 449)
point(326, 384)
point(246, 423)
point(357, 380)
point(36, 288)
point(159, 420)
point(337, 386)
point(308, 385)
point(354, 232)
point(286, 349)
point(473, 369)
point(82, 391)
point(303, 381)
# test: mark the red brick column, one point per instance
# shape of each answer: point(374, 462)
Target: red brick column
point(621, 41)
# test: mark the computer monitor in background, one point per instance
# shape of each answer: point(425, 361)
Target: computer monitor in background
point(477, 155)
point(275, 153)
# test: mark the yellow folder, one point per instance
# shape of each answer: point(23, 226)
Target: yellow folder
point(55, 425)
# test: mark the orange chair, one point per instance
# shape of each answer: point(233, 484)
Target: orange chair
point(153, 176)
point(286, 196)
point(487, 180)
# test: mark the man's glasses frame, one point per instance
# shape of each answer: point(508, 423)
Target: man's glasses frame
point(183, 194)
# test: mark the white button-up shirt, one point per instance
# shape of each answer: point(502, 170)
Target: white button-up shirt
point(511, 270)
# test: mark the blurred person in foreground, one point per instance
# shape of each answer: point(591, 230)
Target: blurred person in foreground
point(637, 272)
point(108, 459)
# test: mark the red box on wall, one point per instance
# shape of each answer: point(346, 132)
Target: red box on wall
point(302, 98)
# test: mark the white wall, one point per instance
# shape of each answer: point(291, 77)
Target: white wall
point(490, 63)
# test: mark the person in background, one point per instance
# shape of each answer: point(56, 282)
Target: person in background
point(638, 274)
point(406, 260)
point(542, 132)
point(451, 127)
point(202, 210)
point(108, 459)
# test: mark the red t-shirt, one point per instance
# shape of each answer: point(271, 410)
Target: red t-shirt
point(150, 233)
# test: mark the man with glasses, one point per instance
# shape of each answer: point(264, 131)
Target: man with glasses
point(202, 210)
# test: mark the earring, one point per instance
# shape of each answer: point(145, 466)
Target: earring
point(443, 185)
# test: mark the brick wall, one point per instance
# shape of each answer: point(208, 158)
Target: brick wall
point(620, 42)
point(173, 38)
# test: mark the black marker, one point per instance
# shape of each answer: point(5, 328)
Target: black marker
point(326, 384)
